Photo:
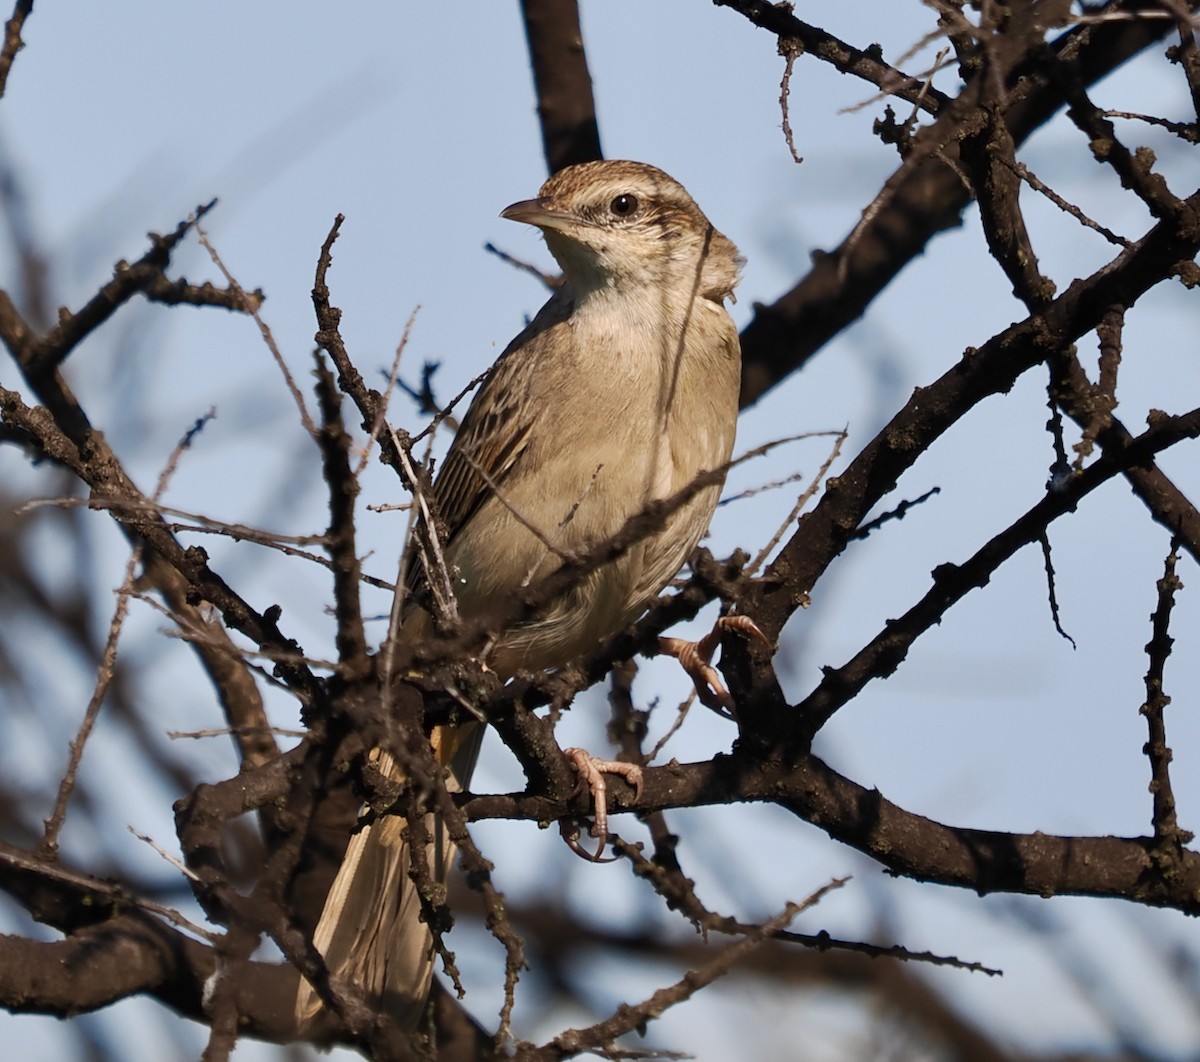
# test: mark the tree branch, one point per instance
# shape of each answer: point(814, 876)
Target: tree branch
point(922, 198)
point(566, 109)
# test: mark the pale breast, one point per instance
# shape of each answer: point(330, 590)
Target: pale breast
point(605, 444)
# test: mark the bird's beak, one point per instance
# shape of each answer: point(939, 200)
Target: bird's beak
point(537, 212)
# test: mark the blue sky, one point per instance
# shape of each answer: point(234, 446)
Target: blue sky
point(419, 125)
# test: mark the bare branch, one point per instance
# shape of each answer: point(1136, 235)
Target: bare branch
point(601, 1035)
point(865, 63)
point(566, 110)
point(12, 40)
point(49, 843)
point(47, 354)
point(1167, 833)
point(251, 304)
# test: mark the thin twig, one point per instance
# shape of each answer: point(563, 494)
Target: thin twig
point(680, 715)
point(126, 510)
point(897, 513)
point(664, 876)
point(553, 281)
point(200, 522)
point(202, 636)
point(801, 502)
point(762, 488)
point(926, 76)
point(479, 877)
point(245, 655)
point(952, 582)
point(12, 40)
point(1051, 591)
point(252, 306)
point(1189, 131)
point(1034, 182)
point(175, 861)
point(91, 890)
point(225, 731)
point(437, 571)
point(444, 414)
point(1166, 825)
point(790, 49)
point(404, 573)
point(867, 64)
point(602, 1034)
point(105, 673)
point(393, 374)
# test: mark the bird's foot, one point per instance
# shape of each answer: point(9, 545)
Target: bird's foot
point(696, 659)
point(591, 772)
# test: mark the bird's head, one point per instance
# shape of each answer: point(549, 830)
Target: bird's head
point(617, 224)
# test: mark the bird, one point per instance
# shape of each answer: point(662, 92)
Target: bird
point(621, 391)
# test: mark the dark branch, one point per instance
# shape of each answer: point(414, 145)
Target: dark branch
point(12, 40)
point(566, 109)
point(924, 197)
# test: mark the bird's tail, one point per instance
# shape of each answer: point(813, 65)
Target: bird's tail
point(370, 932)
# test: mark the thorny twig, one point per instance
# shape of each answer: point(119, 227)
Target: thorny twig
point(628, 1018)
point(252, 304)
point(1167, 833)
point(48, 847)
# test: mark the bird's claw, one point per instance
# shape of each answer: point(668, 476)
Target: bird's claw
point(569, 829)
point(696, 660)
point(591, 771)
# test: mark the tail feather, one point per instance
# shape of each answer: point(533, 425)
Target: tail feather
point(370, 932)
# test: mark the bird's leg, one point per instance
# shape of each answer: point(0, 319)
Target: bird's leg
point(591, 772)
point(696, 658)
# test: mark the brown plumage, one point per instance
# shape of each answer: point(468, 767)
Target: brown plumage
point(622, 390)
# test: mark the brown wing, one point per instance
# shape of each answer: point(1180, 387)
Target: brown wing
point(495, 431)
point(490, 441)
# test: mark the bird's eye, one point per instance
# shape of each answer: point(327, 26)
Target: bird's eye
point(624, 206)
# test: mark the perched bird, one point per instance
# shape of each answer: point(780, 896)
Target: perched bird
point(621, 391)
